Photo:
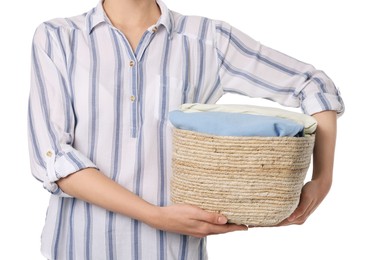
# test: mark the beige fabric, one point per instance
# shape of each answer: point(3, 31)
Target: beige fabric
point(309, 123)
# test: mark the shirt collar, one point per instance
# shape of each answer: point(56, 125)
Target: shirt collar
point(97, 16)
point(166, 17)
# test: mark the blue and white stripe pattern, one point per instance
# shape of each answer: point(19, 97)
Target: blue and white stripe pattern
point(94, 102)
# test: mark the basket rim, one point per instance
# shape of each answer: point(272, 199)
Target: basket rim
point(244, 137)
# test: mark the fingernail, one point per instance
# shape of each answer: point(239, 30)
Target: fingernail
point(291, 218)
point(222, 220)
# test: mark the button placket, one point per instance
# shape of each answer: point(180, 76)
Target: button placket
point(135, 87)
point(133, 96)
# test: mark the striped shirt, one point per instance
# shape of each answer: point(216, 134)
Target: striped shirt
point(94, 102)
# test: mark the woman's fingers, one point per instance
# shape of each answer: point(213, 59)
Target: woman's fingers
point(310, 199)
point(193, 221)
point(213, 218)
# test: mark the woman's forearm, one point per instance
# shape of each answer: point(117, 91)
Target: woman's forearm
point(314, 191)
point(323, 157)
point(92, 186)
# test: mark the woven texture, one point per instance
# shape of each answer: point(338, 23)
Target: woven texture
point(251, 180)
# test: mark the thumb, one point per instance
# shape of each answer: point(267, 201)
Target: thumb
point(221, 219)
point(213, 218)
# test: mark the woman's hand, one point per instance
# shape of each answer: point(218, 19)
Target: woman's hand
point(192, 221)
point(312, 195)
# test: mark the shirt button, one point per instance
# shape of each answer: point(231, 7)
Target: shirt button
point(132, 98)
point(131, 63)
point(154, 30)
point(49, 154)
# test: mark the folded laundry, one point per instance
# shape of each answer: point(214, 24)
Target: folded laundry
point(308, 122)
point(235, 124)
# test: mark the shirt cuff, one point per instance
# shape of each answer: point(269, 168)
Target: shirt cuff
point(61, 165)
point(319, 102)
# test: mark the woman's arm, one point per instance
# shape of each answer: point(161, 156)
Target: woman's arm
point(316, 190)
point(92, 186)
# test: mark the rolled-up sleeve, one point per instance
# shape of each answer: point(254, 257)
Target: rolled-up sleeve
point(247, 67)
point(51, 119)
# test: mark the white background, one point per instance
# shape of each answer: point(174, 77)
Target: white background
point(329, 34)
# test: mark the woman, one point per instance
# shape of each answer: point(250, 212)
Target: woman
point(102, 86)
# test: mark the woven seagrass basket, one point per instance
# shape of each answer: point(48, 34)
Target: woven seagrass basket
point(253, 181)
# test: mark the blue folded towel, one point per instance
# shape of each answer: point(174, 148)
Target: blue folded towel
point(235, 124)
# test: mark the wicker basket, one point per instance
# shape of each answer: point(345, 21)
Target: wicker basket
point(251, 180)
